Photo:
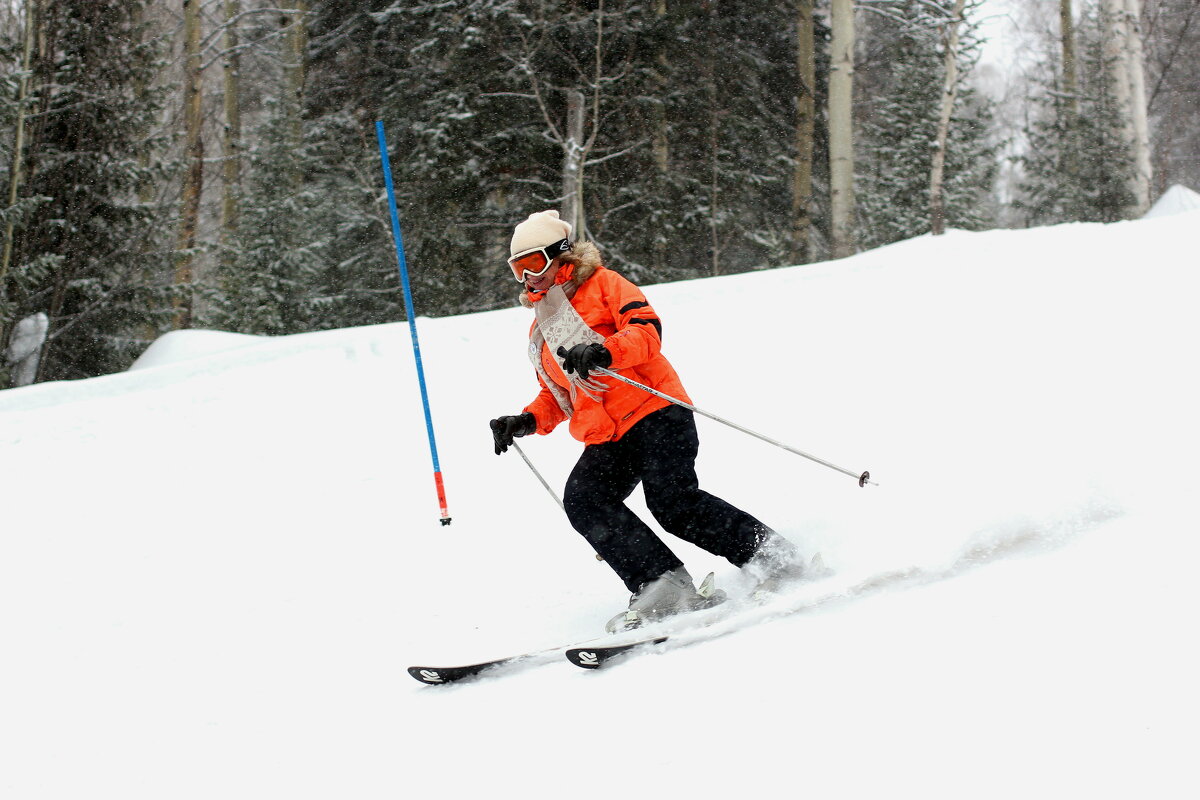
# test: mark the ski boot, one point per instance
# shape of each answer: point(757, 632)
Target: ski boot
point(668, 594)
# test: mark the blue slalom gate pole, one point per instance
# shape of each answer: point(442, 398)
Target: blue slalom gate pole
point(412, 317)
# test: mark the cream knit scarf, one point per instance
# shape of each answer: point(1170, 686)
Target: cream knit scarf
point(559, 325)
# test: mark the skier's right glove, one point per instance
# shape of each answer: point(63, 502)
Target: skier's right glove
point(505, 428)
point(584, 358)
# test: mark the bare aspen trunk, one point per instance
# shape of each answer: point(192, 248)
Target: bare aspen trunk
point(296, 72)
point(1066, 24)
point(659, 142)
point(805, 125)
point(193, 178)
point(714, 191)
point(232, 139)
point(1070, 67)
point(1117, 54)
point(714, 142)
point(575, 144)
point(841, 129)
point(141, 88)
point(1138, 105)
point(573, 154)
point(18, 151)
point(937, 199)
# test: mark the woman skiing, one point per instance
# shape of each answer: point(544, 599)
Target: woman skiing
point(588, 316)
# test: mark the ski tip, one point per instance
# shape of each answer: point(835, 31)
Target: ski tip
point(439, 676)
point(430, 676)
point(596, 657)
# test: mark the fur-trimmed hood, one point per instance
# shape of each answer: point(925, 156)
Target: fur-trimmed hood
point(578, 265)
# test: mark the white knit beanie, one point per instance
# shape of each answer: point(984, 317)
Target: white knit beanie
point(539, 230)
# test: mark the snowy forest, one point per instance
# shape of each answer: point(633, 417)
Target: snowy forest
point(212, 163)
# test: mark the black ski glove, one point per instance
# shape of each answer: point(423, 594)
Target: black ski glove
point(505, 428)
point(584, 358)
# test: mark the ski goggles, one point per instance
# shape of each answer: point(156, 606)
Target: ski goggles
point(534, 263)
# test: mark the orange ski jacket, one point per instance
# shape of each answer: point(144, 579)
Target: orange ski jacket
point(617, 310)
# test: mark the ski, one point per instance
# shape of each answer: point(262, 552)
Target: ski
point(596, 657)
point(594, 654)
point(437, 676)
point(580, 655)
point(584, 655)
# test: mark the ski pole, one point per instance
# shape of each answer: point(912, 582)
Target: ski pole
point(412, 318)
point(863, 479)
point(553, 494)
point(537, 474)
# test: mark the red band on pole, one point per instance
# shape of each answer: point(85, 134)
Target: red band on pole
point(441, 493)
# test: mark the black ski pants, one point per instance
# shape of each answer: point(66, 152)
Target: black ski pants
point(660, 453)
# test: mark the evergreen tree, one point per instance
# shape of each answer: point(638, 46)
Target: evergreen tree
point(1076, 166)
point(475, 98)
point(464, 139)
point(312, 247)
point(268, 285)
point(89, 255)
point(895, 143)
point(312, 259)
point(358, 282)
point(724, 205)
point(1172, 29)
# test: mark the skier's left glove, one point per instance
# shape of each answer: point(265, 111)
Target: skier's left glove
point(505, 428)
point(584, 358)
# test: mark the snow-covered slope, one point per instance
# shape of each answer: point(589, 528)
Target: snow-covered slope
point(214, 568)
point(1178, 199)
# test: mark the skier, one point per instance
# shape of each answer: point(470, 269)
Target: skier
point(588, 316)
